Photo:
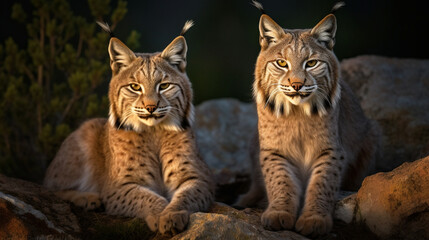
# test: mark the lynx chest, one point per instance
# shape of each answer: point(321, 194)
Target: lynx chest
point(297, 137)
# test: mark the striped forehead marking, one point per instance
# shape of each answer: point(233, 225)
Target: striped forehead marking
point(296, 48)
point(147, 69)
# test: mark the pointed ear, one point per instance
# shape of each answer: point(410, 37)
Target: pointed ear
point(269, 31)
point(325, 31)
point(120, 55)
point(175, 53)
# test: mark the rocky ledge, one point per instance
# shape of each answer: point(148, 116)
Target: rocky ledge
point(29, 212)
point(393, 205)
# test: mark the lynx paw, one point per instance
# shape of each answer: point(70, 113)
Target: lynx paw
point(88, 201)
point(277, 220)
point(173, 221)
point(152, 222)
point(314, 224)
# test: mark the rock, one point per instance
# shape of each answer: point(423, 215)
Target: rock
point(224, 222)
point(97, 225)
point(223, 130)
point(393, 205)
point(345, 207)
point(395, 93)
point(29, 211)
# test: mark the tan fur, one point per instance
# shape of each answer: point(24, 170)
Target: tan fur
point(312, 139)
point(143, 161)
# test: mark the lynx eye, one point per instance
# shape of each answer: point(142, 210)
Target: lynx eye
point(311, 63)
point(135, 87)
point(282, 63)
point(163, 86)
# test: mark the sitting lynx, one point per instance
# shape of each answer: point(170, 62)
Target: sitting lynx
point(312, 134)
point(142, 161)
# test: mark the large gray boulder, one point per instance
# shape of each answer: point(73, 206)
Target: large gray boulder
point(223, 130)
point(395, 93)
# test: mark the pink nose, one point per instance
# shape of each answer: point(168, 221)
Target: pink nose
point(151, 108)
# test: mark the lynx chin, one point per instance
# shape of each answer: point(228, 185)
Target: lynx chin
point(141, 162)
point(312, 136)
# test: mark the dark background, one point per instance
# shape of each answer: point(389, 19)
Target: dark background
point(223, 45)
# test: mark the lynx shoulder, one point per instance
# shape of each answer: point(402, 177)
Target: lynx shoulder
point(142, 161)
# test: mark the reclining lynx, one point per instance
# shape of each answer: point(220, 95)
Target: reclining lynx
point(313, 136)
point(142, 161)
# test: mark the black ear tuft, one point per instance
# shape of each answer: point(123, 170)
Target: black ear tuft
point(259, 6)
point(337, 6)
point(186, 27)
point(105, 26)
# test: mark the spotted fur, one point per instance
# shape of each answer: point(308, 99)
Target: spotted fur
point(142, 161)
point(312, 134)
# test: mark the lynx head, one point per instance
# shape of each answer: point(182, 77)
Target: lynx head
point(296, 69)
point(150, 89)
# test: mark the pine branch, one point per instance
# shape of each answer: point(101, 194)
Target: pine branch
point(29, 74)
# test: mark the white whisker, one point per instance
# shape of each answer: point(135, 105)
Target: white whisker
point(174, 116)
point(324, 93)
point(275, 91)
point(125, 117)
point(274, 84)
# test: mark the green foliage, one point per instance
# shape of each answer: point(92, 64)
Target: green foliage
point(18, 13)
point(133, 41)
point(120, 11)
point(58, 80)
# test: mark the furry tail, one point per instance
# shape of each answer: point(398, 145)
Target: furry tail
point(337, 6)
point(188, 24)
point(105, 26)
point(258, 5)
